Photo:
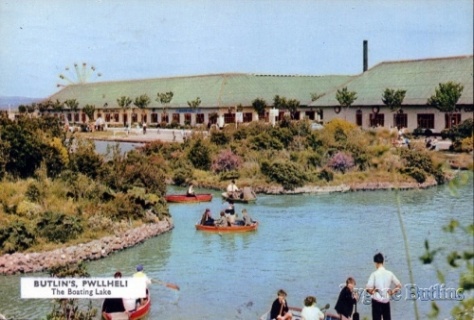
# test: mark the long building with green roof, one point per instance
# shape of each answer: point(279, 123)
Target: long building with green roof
point(228, 97)
point(419, 78)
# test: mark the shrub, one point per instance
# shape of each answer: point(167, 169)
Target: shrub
point(326, 175)
point(341, 161)
point(264, 141)
point(285, 173)
point(226, 161)
point(219, 138)
point(199, 155)
point(33, 193)
point(52, 226)
point(16, 237)
point(182, 176)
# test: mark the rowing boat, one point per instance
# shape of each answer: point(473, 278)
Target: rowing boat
point(296, 312)
point(231, 229)
point(113, 309)
point(182, 198)
point(238, 199)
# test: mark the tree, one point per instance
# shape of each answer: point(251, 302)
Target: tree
point(142, 102)
point(315, 96)
point(124, 102)
point(165, 99)
point(194, 104)
point(259, 106)
point(293, 106)
point(346, 98)
point(89, 110)
point(72, 104)
point(446, 97)
point(393, 98)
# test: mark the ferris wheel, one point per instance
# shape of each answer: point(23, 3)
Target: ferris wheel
point(78, 74)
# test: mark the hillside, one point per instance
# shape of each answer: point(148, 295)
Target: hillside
point(14, 102)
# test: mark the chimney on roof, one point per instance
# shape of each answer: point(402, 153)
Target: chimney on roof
point(365, 56)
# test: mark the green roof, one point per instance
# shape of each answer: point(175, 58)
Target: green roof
point(221, 90)
point(418, 77)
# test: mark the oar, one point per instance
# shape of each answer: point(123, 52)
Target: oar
point(166, 284)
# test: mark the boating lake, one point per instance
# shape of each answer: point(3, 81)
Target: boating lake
point(306, 244)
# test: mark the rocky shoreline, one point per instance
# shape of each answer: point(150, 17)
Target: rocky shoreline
point(96, 249)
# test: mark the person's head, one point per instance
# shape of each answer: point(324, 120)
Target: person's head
point(233, 181)
point(222, 213)
point(139, 267)
point(244, 212)
point(309, 301)
point(378, 259)
point(281, 294)
point(118, 274)
point(208, 211)
point(350, 283)
point(231, 203)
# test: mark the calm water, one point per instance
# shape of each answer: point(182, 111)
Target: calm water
point(306, 244)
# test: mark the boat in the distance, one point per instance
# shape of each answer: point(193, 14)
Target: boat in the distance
point(238, 199)
point(183, 198)
point(113, 309)
point(231, 229)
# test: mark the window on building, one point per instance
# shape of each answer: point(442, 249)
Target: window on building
point(377, 119)
point(76, 117)
point(187, 118)
point(281, 115)
point(247, 117)
point(425, 120)
point(154, 117)
point(200, 118)
point(175, 117)
point(116, 117)
point(165, 118)
point(229, 118)
point(125, 119)
point(83, 116)
point(400, 120)
point(309, 115)
point(107, 117)
point(359, 118)
point(134, 117)
point(144, 118)
point(69, 117)
point(452, 120)
point(296, 115)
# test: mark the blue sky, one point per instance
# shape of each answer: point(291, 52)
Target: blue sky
point(130, 39)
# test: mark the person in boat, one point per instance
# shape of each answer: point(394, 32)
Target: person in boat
point(232, 190)
point(206, 218)
point(310, 311)
point(248, 194)
point(247, 220)
point(346, 300)
point(141, 274)
point(190, 191)
point(112, 305)
point(230, 212)
point(222, 221)
point(280, 310)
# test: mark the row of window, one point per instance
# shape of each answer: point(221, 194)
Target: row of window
point(424, 120)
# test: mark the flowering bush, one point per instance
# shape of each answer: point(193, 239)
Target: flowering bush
point(226, 161)
point(341, 161)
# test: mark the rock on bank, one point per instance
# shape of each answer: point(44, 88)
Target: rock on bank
point(41, 261)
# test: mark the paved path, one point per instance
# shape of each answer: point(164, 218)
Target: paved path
point(137, 135)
